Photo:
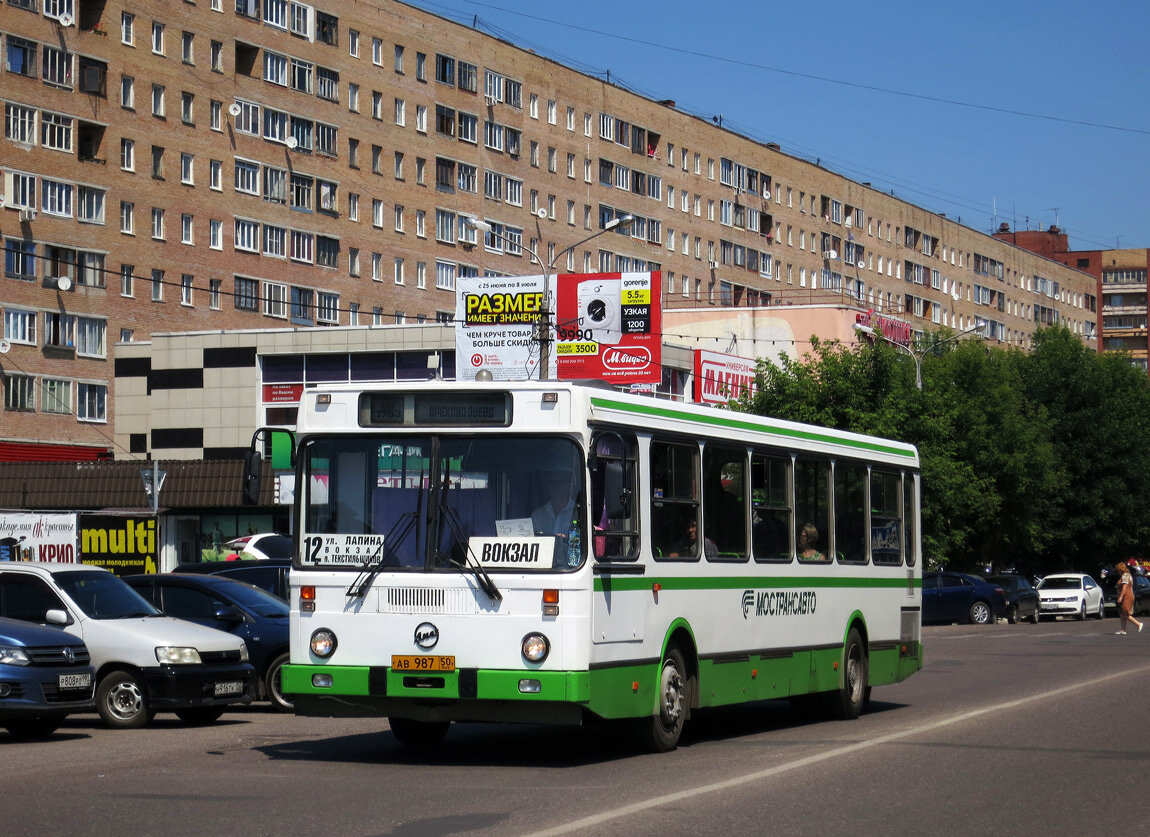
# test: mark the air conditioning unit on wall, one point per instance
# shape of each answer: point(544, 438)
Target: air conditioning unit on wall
point(27, 214)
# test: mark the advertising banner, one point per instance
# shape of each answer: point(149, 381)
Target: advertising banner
point(124, 545)
point(38, 537)
point(608, 327)
point(721, 377)
point(496, 317)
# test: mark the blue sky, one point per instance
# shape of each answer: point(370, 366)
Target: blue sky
point(1028, 113)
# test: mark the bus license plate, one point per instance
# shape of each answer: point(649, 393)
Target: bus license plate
point(75, 681)
point(422, 663)
point(229, 687)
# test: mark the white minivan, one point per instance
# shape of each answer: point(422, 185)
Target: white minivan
point(145, 662)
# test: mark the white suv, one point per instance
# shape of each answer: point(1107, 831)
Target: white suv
point(145, 662)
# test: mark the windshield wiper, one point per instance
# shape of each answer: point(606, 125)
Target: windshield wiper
point(469, 560)
point(395, 536)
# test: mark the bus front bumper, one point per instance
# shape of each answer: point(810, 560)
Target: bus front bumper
point(461, 695)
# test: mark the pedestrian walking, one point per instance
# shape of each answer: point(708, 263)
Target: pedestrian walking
point(1125, 598)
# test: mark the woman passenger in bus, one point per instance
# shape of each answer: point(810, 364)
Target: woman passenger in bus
point(808, 540)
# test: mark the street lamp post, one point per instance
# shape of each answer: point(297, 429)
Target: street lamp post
point(919, 355)
point(543, 329)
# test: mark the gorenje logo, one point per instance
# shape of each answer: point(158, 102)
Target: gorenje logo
point(779, 602)
point(629, 357)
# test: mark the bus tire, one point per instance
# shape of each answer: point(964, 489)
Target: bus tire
point(846, 702)
point(418, 734)
point(660, 732)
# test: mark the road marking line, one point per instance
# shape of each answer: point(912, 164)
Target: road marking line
point(736, 781)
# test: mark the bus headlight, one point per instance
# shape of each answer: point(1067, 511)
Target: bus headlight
point(323, 642)
point(535, 648)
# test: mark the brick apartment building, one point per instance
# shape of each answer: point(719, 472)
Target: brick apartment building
point(227, 165)
point(1122, 284)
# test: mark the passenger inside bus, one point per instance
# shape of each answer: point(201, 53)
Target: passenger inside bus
point(808, 541)
point(688, 545)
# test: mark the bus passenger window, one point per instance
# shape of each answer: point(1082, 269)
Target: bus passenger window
point(724, 501)
point(812, 508)
point(772, 520)
point(614, 519)
point(885, 523)
point(850, 512)
point(910, 523)
point(674, 496)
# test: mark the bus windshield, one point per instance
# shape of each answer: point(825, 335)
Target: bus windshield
point(440, 502)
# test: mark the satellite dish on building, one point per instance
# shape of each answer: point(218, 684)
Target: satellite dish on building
point(291, 142)
point(4, 347)
point(64, 283)
point(541, 212)
point(234, 108)
point(65, 19)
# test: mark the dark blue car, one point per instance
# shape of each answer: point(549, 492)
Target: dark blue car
point(958, 597)
point(245, 610)
point(45, 674)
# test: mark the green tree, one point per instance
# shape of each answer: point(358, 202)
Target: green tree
point(1098, 414)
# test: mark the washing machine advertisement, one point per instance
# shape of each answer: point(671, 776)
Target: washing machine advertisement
point(608, 327)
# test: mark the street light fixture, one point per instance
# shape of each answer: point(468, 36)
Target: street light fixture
point(919, 355)
point(543, 329)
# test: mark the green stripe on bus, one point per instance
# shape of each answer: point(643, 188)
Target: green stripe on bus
point(624, 583)
point(757, 426)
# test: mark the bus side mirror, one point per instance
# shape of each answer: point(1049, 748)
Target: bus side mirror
point(253, 470)
point(616, 494)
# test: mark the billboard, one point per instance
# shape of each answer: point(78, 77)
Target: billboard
point(496, 317)
point(608, 327)
point(124, 545)
point(721, 377)
point(38, 537)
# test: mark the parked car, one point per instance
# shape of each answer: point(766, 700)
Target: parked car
point(1109, 584)
point(1021, 597)
point(237, 607)
point(145, 662)
point(266, 545)
point(270, 574)
point(1070, 594)
point(45, 674)
point(958, 597)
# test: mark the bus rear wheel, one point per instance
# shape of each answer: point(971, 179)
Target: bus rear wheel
point(418, 734)
point(660, 732)
point(846, 702)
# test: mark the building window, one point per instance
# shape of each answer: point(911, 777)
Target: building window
point(247, 294)
point(56, 396)
point(19, 393)
point(92, 402)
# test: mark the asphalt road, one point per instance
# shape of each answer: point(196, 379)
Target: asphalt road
point(1009, 729)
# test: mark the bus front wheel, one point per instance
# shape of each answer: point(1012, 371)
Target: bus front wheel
point(660, 732)
point(848, 700)
point(418, 734)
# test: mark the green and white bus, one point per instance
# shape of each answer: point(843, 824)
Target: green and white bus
point(550, 552)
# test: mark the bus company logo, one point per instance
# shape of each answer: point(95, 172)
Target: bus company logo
point(778, 602)
point(426, 635)
point(631, 357)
